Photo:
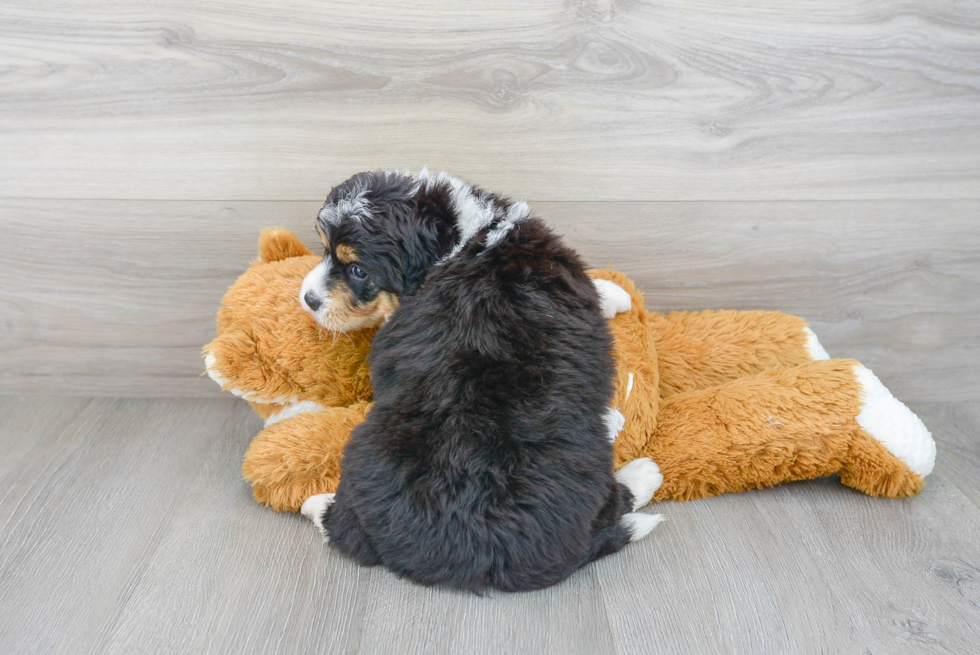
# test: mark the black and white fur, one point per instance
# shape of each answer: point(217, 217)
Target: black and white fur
point(486, 460)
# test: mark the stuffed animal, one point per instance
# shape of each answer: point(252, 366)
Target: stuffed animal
point(722, 401)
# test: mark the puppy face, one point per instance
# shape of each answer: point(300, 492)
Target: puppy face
point(362, 274)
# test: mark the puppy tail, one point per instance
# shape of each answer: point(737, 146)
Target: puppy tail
point(607, 541)
point(315, 509)
point(631, 527)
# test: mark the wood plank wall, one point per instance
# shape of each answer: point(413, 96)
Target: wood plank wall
point(821, 158)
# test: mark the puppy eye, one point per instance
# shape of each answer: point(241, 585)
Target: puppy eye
point(357, 272)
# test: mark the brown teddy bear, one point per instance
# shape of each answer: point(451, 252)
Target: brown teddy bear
point(721, 401)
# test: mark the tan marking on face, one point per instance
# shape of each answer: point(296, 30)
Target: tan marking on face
point(323, 237)
point(344, 314)
point(387, 304)
point(346, 253)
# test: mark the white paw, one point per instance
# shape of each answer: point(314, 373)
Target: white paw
point(898, 429)
point(314, 508)
point(613, 298)
point(642, 477)
point(817, 351)
point(640, 525)
point(615, 422)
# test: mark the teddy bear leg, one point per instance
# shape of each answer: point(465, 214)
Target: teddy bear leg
point(891, 450)
point(871, 468)
point(809, 421)
point(299, 457)
point(697, 350)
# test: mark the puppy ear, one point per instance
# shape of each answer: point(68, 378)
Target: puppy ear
point(277, 243)
point(418, 255)
point(426, 236)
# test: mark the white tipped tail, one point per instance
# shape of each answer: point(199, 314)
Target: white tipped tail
point(640, 525)
point(314, 508)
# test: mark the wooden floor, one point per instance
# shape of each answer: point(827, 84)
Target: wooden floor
point(125, 528)
point(820, 157)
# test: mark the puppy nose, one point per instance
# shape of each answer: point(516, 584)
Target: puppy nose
point(311, 300)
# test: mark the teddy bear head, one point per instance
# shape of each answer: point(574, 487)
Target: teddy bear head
point(271, 352)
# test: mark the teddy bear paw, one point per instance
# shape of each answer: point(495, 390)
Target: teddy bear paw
point(817, 352)
point(613, 299)
point(642, 477)
point(315, 509)
point(640, 525)
point(894, 425)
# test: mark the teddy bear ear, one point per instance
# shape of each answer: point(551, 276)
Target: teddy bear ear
point(277, 243)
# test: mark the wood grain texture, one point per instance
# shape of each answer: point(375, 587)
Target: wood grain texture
point(805, 568)
point(125, 527)
point(404, 618)
point(580, 100)
point(722, 578)
point(117, 297)
point(906, 579)
point(85, 508)
point(234, 577)
point(960, 457)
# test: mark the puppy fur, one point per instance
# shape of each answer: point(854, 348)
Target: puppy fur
point(486, 460)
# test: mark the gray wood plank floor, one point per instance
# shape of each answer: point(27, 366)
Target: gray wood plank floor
point(125, 528)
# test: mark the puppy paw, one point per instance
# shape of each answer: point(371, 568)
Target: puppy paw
point(613, 299)
point(315, 509)
point(642, 477)
point(615, 421)
point(640, 525)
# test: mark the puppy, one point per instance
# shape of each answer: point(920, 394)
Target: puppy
point(486, 461)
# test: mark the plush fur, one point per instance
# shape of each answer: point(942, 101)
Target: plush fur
point(485, 460)
point(722, 401)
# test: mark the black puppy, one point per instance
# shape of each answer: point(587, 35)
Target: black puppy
point(486, 460)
